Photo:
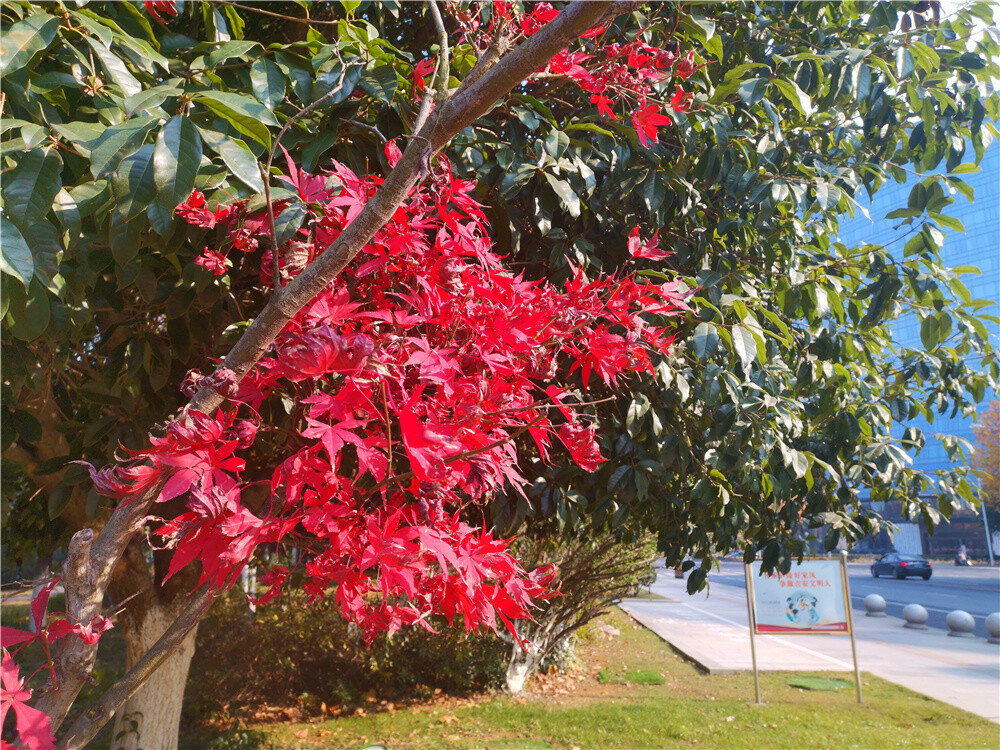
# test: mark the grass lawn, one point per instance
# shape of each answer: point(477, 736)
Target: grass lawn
point(598, 706)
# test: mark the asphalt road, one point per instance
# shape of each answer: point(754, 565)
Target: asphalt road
point(974, 589)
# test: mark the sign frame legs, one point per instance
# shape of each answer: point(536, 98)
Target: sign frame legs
point(748, 575)
point(850, 621)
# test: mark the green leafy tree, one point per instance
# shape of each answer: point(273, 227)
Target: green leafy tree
point(778, 415)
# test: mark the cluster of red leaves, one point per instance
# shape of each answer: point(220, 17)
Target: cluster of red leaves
point(623, 77)
point(33, 726)
point(413, 377)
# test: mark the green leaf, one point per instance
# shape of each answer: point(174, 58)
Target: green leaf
point(799, 99)
point(288, 223)
point(238, 157)
point(930, 332)
point(118, 142)
point(228, 51)
point(570, 200)
point(317, 146)
point(752, 90)
point(380, 82)
point(25, 39)
point(704, 31)
point(965, 168)
point(29, 313)
point(268, 82)
point(32, 186)
point(588, 127)
point(745, 345)
point(925, 57)
point(904, 63)
point(947, 221)
point(705, 340)
point(827, 195)
point(67, 213)
point(245, 114)
point(124, 238)
point(778, 323)
point(47, 251)
point(81, 134)
point(15, 255)
point(161, 219)
point(300, 76)
point(337, 82)
point(133, 184)
point(115, 68)
point(150, 99)
point(556, 143)
point(798, 462)
point(89, 196)
point(34, 135)
point(176, 160)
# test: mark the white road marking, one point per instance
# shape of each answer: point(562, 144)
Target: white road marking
point(838, 662)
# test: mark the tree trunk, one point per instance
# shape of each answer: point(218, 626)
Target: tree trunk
point(522, 664)
point(151, 718)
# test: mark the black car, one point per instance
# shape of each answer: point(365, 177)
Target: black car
point(901, 566)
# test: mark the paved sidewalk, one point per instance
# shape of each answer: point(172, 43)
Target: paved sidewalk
point(712, 630)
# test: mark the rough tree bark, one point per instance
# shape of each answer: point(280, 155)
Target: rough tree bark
point(94, 559)
point(151, 717)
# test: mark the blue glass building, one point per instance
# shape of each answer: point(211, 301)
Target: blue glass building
point(979, 246)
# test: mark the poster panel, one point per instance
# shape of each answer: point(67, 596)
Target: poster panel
point(810, 598)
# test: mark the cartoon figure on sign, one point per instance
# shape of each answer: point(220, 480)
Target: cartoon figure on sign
point(801, 608)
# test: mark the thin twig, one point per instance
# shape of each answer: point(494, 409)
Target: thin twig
point(370, 128)
point(425, 106)
point(444, 64)
point(486, 60)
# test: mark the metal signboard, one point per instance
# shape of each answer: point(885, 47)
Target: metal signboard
point(810, 598)
point(813, 597)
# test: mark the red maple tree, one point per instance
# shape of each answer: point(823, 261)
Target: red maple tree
point(412, 378)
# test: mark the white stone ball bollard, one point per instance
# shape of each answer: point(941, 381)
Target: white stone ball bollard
point(993, 627)
point(960, 624)
point(875, 605)
point(915, 616)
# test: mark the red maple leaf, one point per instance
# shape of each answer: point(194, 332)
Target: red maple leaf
point(582, 445)
point(213, 262)
point(650, 250)
point(155, 7)
point(646, 122)
point(681, 101)
point(32, 725)
point(686, 67)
